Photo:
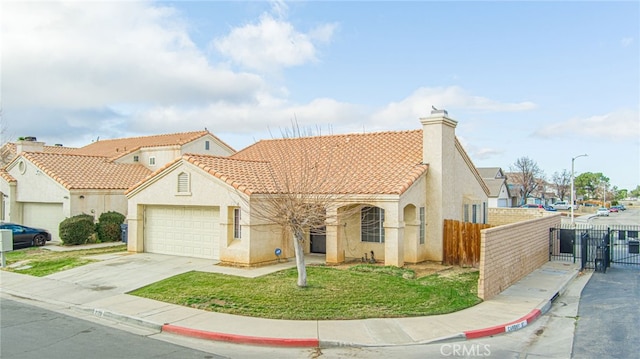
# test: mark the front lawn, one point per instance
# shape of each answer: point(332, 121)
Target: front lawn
point(362, 291)
point(39, 262)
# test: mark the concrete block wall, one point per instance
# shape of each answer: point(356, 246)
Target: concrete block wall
point(501, 216)
point(510, 252)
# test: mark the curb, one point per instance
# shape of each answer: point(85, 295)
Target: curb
point(518, 324)
point(241, 339)
point(102, 313)
point(505, 328)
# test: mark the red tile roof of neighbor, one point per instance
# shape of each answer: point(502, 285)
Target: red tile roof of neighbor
point(7, 177)
point(12, 150)
point(87, 172)
point(371, 163)
point(114, 148)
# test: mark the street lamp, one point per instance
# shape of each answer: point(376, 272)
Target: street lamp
point(572, 178)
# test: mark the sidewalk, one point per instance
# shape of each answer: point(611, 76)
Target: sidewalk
point(99, 288)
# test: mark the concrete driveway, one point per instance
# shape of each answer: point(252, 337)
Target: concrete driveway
point(123, 272)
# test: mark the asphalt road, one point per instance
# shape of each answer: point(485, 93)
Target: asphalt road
point(31, 332)
point(608, 315)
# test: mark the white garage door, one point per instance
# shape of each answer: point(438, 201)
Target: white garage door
point(43, 215)
point(182, 231)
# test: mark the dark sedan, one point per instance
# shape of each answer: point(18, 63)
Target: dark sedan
point(24, 236)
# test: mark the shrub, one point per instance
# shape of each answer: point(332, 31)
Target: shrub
point(108, 226)
point(77, 229)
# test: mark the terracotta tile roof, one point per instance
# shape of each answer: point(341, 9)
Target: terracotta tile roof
point(245, 175)
point(10, 150)
point(114, 148)
point(87, 172)
point(371, 163)
point(6, 176)
point(59, 149)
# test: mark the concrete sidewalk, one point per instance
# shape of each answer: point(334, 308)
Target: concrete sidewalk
point(100, 288)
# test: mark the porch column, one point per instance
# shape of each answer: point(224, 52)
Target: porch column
point(334, 246)
point(393, 239)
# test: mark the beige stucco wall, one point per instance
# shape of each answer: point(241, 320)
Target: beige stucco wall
point(166, 154)
point(510, 252)
point(34, 185)
point(451, 182)
point(96, 202)
point(216, 148)
point(501, 216)
point(206, 190)
point(410, 203)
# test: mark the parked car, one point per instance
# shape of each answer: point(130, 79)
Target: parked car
point(561, 205)
point(619, 207)
point(24, 236)
point(613, 209)
point(602, 211)
point(549, 208)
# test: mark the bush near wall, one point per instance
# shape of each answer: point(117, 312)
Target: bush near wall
point(108, 226)
point(77, 229)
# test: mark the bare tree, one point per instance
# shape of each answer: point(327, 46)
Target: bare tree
point(304, 190)
point(526, 174)
point(562, 183)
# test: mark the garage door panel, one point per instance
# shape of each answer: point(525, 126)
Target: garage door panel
point(182, 231)
point(43, 215)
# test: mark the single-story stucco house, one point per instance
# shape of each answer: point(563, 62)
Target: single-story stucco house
point(405, 183)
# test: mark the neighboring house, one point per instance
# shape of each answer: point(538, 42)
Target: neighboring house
point(43, 185)
point(406, 183)
point(496, 180)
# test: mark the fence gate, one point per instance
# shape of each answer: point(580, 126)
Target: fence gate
point(596, 247)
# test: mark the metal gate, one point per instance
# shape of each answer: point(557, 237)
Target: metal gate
point(596, 247)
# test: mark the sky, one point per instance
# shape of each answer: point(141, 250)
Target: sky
point(547, 80)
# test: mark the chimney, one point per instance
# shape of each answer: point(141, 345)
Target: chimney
point(29, 144)
point(439, 152)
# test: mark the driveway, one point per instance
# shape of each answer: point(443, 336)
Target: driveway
point(608, 314)
point(123, 272)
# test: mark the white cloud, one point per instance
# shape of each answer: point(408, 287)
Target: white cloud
point(617, 125)
point(80, 54)
point(272, 43)
point(419, 103)
point(626, 41)
point(268, 113)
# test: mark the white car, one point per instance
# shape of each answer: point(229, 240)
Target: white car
point(561, 205)
point(602, 211)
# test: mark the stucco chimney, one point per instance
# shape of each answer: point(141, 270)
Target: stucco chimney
point(29, 146)
point(438, 151)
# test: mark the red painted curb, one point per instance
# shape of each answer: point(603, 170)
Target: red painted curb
point(241, 339)
point(509, 327)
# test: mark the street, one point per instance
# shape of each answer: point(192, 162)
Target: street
point(609, 315)
point(32, 332)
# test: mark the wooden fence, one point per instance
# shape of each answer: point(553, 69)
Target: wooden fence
point(461, 243)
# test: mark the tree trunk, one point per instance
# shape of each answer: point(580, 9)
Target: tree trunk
point(299, 251)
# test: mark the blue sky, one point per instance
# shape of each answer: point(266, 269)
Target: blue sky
point(546, 80)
